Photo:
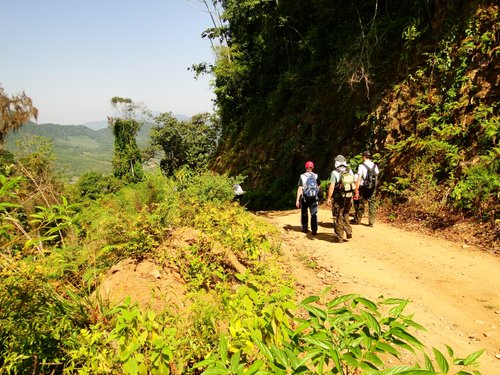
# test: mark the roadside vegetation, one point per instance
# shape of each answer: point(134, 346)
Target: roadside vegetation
point(414, 82)
point(239, 313)
point(235, 312)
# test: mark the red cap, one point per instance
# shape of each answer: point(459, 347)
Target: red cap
point(309, 164)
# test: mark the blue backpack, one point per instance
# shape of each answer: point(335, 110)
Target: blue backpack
point(311, 189)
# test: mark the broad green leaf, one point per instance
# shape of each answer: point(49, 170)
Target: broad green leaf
point(263, 349)
point(205, 363)
point(255, 367)
point(473, 357)
point(350, 360)
point(367, 303)
point(401, 333)
point(223, 348)
point(371, 322)
point(235, 362)
point(428, 363)
point(405, 370)
point(309, 300)
point(413, 324)
point(393, 301)
point(292, 358)
point(335, 355)
point(341, 299)
point(278, 313)
point(215, 371)
point(441, 360)
point(279, 356)
point(327, 345)
point(315, 311)
point(397, 310)
point(374, 359)
point(131, 367)
point(381, 346)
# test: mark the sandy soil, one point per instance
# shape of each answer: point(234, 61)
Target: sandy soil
point(454, 288)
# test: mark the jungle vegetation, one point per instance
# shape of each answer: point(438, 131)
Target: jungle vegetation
point(415, 82)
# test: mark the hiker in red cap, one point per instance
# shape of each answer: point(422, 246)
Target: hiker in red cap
point(307, 198)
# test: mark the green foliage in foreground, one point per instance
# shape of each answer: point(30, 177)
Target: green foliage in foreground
point(348, 336)
point(238, 315)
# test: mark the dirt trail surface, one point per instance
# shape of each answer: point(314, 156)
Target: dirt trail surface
point(454, 289)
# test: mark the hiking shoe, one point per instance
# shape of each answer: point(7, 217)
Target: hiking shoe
point(304, 231)
point(349, 235)
point(339, 239)
point(314, 233)
point(370, 225)
point(355, 222)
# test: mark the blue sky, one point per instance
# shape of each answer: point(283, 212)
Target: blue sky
point(72, 56)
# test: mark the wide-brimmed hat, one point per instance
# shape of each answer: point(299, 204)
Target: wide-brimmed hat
point(340, 160)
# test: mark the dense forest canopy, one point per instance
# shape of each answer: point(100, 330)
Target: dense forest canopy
point(415, 82)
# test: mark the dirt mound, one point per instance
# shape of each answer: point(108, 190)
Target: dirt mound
point(146, 283)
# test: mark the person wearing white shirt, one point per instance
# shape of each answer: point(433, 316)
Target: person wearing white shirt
point(364, 192)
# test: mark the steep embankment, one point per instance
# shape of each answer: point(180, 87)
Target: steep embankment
point(453, 289)
point(417, 83)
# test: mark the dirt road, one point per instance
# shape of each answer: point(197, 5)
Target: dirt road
point(454, 289)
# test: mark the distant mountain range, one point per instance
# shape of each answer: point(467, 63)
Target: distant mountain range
point(78, 148)
point(96, 125)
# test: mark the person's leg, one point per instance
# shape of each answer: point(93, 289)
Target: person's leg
point(356, 211)
point(372, 209)
point(303, 215)
point(314, 217)
point(337, 219)
point(345, 222)
point(361, 208)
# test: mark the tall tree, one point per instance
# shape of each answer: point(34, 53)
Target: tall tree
point(127, 161)
point(15, 111)
point(184, 143)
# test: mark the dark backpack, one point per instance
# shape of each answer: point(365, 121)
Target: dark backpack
point(345, 186)
point(311, 189)
point(370, 182)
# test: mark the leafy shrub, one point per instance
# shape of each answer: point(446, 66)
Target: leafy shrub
point(93, 185)
point(33, 320)
point(477, 191)
point(349, 335)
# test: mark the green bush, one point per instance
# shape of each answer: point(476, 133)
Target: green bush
point(349, 335)
point(94, 184)
point(478, 190)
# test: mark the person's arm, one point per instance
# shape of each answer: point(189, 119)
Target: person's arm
point(358, 182)
point(299, 194)
point(331, 189)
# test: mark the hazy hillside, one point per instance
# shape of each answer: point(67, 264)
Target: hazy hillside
point(78, 149)
point(102, 124)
